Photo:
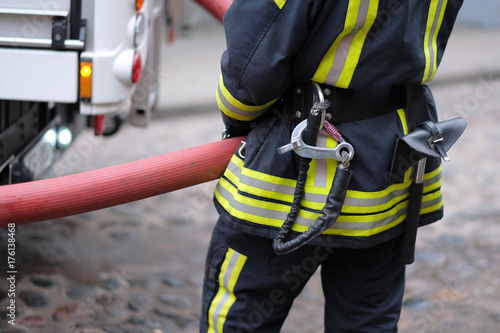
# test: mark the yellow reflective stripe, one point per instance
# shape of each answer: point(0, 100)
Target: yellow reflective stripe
point(264, 214)
point(373, 217)
point(356, 46)
point(280, 3)
point(234, 108)
point(360, 229)
point(272, 214)
point(225, 298)
point(371, 205)
point(252, 210)
point(427, 49)
point(357, 202)
point(263, 176)
point(321, 172)
point(402, 118)
point(261, 184)
point(431, 202)
point(331, 164)
point(339, 63)
point(434, 39)
point(366, 233)
point(434, 20)
point(327, 62)
point(432, 180)
point(404, 124)
point(433, 173)
point(380, 195)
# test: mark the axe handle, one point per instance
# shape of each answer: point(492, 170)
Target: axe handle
point(413, 215)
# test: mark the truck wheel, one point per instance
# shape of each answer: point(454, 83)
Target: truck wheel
point(112, 125)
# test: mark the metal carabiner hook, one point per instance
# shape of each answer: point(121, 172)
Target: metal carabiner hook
point(320, 100)
point(298, 145)
point(242, 149)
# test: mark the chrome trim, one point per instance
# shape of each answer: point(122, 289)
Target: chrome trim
point(28, 11)
point(69, 44)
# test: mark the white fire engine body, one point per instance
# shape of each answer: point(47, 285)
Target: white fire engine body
point(63, 62)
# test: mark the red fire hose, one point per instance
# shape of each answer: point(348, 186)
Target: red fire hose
point(93, 190)
point(69, 195)
point(216, 8)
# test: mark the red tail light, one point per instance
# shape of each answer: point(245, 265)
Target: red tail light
point(136, 68)
point(99, 124)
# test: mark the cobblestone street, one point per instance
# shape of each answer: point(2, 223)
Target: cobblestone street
point(138, 267)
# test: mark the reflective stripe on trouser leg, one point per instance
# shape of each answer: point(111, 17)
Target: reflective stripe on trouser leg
point(230, 270)
point(265, 287)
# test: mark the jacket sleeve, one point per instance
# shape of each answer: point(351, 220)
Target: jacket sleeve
point(263, 37)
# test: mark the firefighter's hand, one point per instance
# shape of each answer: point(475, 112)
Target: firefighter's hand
point(233, 132)
point(234, 127)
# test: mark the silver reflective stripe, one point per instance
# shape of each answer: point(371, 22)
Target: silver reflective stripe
point(262, 184)
point(260, 198)
point(342, 52)
point(321, 171)
point(237, 110)
point(433, 31)
point(432, 180)
point(227, 291)
point(315, 197)
point(430, 203)
point(358, 225)
point(258, 212)
point(279, 189)
point(259, 183)
point(369, 202)
point(227, 279)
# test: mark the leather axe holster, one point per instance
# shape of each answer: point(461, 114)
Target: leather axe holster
point(428, 139)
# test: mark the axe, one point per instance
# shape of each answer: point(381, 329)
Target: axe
point(428, 139)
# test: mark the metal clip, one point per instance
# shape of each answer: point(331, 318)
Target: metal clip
point(433, 140)
point(319, 97)
point(308, 151)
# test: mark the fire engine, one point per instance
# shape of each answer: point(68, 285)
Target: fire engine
point(66, 65)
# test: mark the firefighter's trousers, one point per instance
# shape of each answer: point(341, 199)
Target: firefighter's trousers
point(248, 288)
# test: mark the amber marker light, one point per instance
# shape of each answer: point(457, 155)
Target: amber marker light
point(139, 4)
point(85, 80)
point(86, 70)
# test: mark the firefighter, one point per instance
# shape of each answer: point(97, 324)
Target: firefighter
point(366, 63)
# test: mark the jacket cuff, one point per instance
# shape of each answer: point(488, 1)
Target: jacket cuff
point(237, 110)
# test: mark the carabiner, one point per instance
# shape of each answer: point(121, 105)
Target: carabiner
point(302, 149)
point(343, 152)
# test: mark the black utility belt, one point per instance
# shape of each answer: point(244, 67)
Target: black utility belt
point(346, 104)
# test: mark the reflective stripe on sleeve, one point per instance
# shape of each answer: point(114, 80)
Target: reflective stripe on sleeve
point(235, 109)
point(280, 3)
point(434, 21)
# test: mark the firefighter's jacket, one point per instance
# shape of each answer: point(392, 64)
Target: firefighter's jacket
point(349, 44)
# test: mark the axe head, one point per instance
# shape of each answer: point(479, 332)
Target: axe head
point(428, 139)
